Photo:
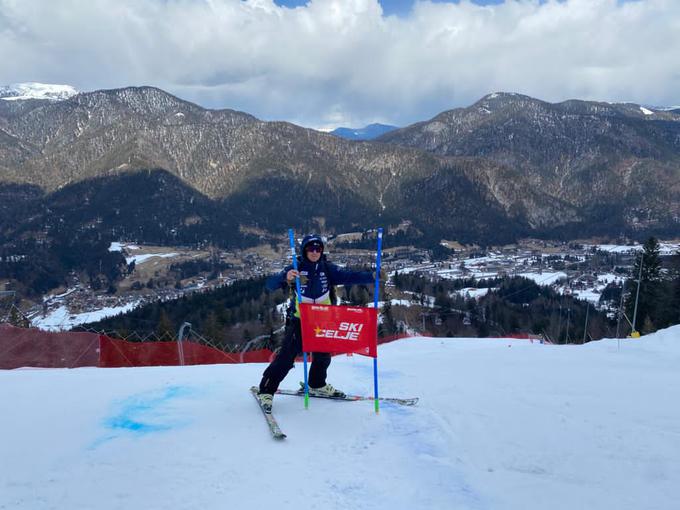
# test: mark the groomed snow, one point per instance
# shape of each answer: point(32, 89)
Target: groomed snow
point(500, 425)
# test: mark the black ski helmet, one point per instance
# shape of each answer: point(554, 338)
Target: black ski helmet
point(312, 239)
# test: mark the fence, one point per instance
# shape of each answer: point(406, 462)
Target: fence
point(20, 347)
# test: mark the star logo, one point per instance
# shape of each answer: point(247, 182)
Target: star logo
point(317, 331)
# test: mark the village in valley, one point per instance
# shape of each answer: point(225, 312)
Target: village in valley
point(580, 269)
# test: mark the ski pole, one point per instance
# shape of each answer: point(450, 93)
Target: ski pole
point(376, 292)
point(291, 237)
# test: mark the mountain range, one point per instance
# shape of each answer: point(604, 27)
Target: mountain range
point(507, 166)
point(370, 132)
point(601, 160)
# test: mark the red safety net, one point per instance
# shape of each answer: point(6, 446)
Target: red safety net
point(21, 347)
point(119, 353)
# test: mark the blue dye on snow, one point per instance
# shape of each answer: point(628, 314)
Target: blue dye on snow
point(145, 413)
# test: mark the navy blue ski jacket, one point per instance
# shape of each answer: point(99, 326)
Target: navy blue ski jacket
point(317, 278)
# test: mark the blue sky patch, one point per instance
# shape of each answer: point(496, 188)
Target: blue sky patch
point(390, 7)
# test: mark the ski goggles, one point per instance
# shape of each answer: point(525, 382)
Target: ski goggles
point(314, 247)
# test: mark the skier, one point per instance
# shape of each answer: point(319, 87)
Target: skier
point(317, 278)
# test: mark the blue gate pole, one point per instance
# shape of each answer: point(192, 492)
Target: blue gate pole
point(376, 294)
point(298, 298)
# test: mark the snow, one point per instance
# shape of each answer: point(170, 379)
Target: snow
point(544, 278)
point(52, 297)
point(399, 302)
point(615, 248)
point(140, 259)
point(33, 90)
point(646, 111)
point(473, 292)
point(118, 246)
point(393, 302)
point(60, 319)
point(501, 424)
point(589, 295)
point(665, 248)
point(607, 278)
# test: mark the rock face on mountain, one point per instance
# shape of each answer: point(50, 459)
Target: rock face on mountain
point(507, 166)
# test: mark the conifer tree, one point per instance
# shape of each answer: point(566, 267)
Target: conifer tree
point(648, 295)
point(165, 329)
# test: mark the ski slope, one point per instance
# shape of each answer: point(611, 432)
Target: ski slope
point(500, 425)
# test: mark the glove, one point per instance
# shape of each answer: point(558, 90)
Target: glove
point(303, 281)
point(291, 279)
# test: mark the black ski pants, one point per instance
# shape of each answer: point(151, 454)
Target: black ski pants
point(285, 360)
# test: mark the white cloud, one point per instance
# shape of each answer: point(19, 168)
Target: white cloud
point(342, 61)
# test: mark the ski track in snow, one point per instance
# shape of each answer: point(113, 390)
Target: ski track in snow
point(422, 442)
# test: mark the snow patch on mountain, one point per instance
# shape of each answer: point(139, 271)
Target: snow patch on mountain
point(33, 90)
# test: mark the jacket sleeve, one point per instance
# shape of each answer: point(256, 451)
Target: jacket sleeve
point(278, 280)
point(339, 276)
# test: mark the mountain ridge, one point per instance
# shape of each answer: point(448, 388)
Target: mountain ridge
point(508, 165)
point(369, 132)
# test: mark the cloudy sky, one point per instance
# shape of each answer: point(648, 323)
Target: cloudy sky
point(325, 63)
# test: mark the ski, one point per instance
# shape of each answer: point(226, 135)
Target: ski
point(353, 398)
point(271, 421)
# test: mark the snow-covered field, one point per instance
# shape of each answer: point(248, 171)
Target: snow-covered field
point(500, 425)
point(139, 259)
point(665, 248)
point(60, 319)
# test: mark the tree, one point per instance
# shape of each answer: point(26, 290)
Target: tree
point(211, 327)
point(165, 328)
point(18, 319)
point(646, 291)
